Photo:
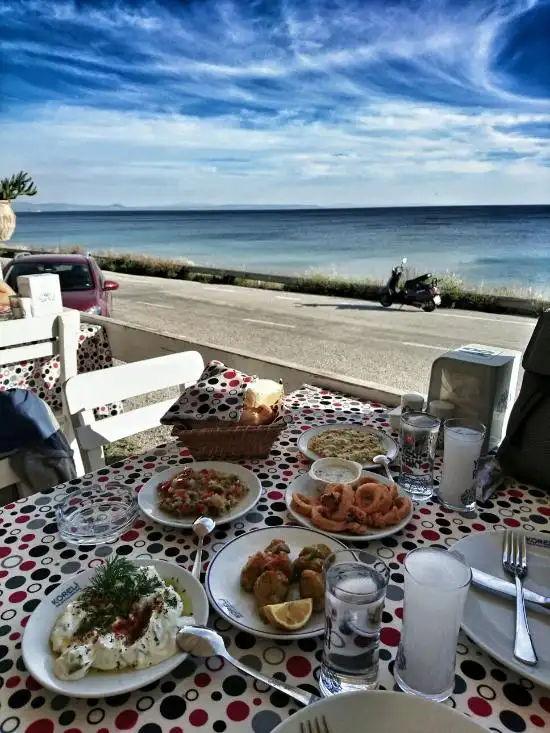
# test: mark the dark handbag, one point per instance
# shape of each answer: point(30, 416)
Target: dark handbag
point(525, 451)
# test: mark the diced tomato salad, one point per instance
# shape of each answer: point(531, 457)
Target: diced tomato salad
point(205, 492)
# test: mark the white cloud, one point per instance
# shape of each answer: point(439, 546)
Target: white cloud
point(312, 105)
point(82, 155)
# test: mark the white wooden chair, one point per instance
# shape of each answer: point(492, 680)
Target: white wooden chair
point(84, 392)
point(32, 338)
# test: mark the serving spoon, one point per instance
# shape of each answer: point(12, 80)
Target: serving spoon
point(202, 642)
point(202, 527)
point(385, 462)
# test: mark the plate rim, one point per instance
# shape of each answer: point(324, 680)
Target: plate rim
point(344, 537)
point(64, 686)
point(176, 523)
point(310, 455)
point(292, 636)
point(291, 722)
point(521, 669)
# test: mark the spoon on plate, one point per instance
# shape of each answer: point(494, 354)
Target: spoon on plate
point(202, 527)
point(384, 461)
point(202, 642)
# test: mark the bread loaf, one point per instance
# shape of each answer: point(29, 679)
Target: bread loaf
point(263, 393)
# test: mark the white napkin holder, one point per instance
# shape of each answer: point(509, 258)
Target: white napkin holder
point(44, 291)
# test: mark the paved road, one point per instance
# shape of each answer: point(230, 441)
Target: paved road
point(354, 338)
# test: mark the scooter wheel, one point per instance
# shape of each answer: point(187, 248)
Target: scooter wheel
point(429, 306)
point(385, 301)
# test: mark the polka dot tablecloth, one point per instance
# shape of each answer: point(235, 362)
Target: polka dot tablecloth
point(211, 695)
point(42, 375)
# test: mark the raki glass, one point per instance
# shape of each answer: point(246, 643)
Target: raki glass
point(436, 586)
point(356, 583)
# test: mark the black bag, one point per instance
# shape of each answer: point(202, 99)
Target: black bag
point(525, 451)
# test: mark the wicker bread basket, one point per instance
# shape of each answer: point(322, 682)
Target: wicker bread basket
point(231, 441)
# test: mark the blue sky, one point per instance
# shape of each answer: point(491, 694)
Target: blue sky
point(329, 102)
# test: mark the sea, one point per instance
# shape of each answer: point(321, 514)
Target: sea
point(490, 246)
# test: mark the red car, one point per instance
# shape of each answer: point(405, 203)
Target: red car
point(83, 286)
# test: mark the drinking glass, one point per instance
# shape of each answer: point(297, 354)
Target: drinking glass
point(461, 451)
point(436, 586)
point(356, 583)
point(418, 440)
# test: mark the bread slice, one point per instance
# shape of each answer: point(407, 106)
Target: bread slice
point(263, 393)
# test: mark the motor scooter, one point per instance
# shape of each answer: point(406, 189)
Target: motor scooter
point(420, 292)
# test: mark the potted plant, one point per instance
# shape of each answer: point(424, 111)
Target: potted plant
point(20, 184)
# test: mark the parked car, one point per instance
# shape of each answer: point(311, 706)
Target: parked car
point(83, 285)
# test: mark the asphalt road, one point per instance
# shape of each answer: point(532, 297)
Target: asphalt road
point(354, 338)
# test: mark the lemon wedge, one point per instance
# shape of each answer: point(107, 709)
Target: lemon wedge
point(292, 615)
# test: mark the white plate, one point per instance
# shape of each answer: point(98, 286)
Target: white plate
point(380, 712)
point(38, 657)
point(238, 607)
point(489, 620)
point(389, 446)
point(147, 497)
point(304, 484)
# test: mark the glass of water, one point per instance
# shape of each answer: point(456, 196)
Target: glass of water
point(418, 441)
point(461, 451)
point(436, 586)
point(356, 583)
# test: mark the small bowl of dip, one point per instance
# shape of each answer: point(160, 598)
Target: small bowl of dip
point(327, 471)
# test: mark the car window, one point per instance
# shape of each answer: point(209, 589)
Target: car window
point(72, 276)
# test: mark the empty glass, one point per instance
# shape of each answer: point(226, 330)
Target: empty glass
point(356, 583)
point(95, 515)
point(436, 586)
point(418, 441)
point(461, 451)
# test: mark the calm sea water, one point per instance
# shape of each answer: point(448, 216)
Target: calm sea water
point(492, 245)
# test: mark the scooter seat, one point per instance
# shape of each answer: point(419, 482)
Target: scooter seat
point(418, 279)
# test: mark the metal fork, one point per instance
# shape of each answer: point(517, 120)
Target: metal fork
point(315, 727)
point(514, 561)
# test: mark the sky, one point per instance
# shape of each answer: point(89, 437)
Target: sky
point(287, 102)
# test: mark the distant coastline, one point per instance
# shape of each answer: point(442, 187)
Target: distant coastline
point(27, 207)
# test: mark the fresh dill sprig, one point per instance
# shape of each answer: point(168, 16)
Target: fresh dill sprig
point(112, 592)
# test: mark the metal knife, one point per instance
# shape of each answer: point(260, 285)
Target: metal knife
point(504, 588)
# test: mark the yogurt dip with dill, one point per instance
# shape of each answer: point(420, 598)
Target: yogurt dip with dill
point(126, 618)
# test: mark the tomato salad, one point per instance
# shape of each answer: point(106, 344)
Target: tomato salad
point(205, 492)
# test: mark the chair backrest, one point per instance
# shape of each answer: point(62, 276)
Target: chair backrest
point(45, 336)
point(84, 392)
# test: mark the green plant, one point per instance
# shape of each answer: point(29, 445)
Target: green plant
point(20, 184)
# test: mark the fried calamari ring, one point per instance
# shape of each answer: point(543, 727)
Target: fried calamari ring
point(302, 504)
point(373, 498)
point(365, 480)
point(321, 519)
point(356, 521)
point(337, 500)
point(396, 514)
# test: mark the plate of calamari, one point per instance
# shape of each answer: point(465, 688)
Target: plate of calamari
point(367, 509)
